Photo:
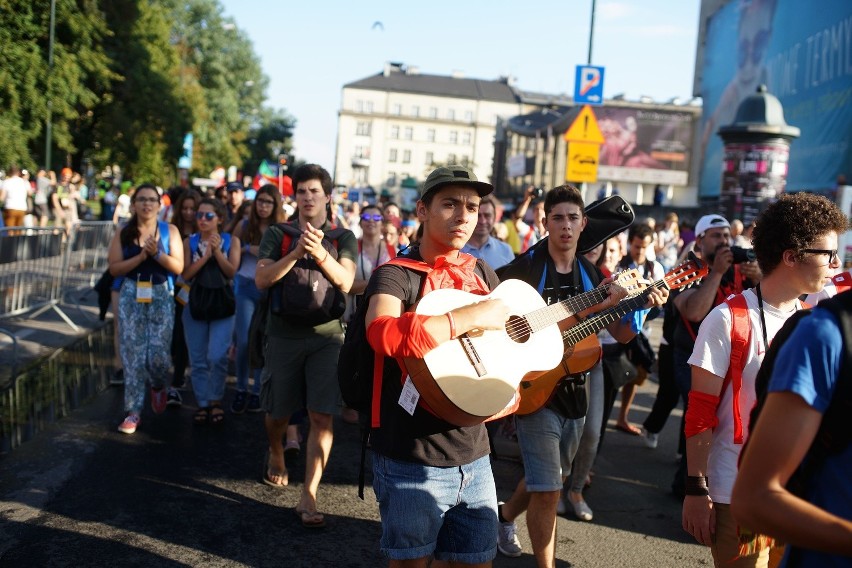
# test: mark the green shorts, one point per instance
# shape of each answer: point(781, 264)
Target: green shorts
point(301, 373)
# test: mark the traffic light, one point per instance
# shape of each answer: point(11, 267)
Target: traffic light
point(283, 162)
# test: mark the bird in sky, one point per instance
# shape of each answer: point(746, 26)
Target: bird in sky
point(378, 25)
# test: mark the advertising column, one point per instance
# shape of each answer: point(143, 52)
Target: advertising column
point(756, 154)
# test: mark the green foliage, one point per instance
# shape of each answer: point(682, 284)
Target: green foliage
point(129, 79)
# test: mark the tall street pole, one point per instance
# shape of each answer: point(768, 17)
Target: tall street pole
point(49, 126)
point(591, 34)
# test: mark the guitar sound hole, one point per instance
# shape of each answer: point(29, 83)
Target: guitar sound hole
point(518, 329)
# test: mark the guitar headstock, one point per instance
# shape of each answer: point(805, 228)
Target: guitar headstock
point(631, 281)
point(686, 273)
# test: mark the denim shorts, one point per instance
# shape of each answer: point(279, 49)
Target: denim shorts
point(548, 444)
point(448, 512)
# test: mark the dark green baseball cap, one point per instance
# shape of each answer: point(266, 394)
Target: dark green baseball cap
point(454, 175)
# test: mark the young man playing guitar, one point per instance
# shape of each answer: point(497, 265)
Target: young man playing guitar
point(549, 438)
point(433, 480)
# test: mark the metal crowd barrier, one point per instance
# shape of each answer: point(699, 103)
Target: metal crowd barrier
point(39, 266)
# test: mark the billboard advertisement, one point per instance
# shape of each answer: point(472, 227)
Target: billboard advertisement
point(804, 57)
point(645, 145)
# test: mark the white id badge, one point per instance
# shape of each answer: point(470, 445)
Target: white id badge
point(182, 296)
point(144, 292)
point(409, 397)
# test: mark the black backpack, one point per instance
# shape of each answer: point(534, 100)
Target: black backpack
point(835, 430)
point(304, 296)
point(355, 364)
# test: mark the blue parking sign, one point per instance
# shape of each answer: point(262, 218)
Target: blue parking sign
point(588, 85)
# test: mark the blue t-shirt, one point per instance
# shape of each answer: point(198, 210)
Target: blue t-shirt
point(811, 369)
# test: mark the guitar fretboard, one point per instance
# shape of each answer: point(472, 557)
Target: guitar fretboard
point(594, 324)
point(543, 317)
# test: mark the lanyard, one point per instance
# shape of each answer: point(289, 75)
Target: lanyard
point(762, 318)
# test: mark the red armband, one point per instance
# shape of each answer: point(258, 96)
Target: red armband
point(401, 337)
point(701, 413)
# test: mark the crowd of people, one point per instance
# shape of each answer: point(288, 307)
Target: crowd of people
point(211, 280)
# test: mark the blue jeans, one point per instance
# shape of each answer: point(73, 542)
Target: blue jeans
point(450, 512)
point(247, 296)
point(548, 443)
point(588, 449)
point(208, 342)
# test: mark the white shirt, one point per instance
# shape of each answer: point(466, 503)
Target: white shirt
point(712, 353)
point(16, 189)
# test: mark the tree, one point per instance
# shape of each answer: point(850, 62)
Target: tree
point(272, 135)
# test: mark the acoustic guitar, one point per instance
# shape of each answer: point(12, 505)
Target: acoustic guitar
point(582, 348)
point(466, 380)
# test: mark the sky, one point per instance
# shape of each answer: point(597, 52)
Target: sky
point(309, 50)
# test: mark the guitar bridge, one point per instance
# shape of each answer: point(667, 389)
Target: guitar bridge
point(472, 355)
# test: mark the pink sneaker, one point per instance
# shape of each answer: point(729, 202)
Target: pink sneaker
point(159, 400)
point(130, 423)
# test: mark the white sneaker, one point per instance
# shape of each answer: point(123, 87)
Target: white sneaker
point(561, 508)
point(507, 539)
point(650, 439)
point(582, 511)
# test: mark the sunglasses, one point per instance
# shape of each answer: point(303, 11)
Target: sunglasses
point(375, 217)
point(753, 48)
point(146, 200)
point(208, 215)
point(832, 254)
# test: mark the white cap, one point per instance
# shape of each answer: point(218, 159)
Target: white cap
point(710, 222)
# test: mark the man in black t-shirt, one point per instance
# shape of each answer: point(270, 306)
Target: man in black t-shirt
point(549, 437)
point(433, 480)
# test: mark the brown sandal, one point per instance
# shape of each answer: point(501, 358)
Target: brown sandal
point(217, 414)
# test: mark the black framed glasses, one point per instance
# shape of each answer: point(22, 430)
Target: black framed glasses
point(209, 215)
point(832, 254)
point(265, 202)
point(374, 217)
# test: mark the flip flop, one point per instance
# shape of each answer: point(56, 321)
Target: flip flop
point(632, 430)
point(310, 519)
point(267, 476)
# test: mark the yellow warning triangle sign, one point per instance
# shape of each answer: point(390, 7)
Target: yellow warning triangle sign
point(585, 128)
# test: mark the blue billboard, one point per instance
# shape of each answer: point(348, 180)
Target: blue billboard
point(803, 53)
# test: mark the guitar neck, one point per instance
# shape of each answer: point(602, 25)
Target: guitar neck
point(594, 324)
point(541, 318)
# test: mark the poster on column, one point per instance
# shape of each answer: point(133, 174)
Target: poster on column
point(754, 175)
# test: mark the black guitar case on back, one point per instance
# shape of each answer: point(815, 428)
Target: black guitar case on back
point(607, 217)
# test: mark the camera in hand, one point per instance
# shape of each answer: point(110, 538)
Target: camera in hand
point(537, 192)
point(743, 254)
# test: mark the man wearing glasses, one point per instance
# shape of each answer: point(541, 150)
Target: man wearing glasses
point(795, 241)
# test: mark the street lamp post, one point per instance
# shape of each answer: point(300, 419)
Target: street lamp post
point(49, 126)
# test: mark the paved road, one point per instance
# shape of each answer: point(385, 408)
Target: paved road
point(82, 494)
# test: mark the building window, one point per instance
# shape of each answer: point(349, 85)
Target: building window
point(359, 106)
point(430, 158)
point(430, 135)
point(451, 114)
point(466, 138)
point(415, 111)
point(406, 157)
point(394, 132)
point(454, 136)
point(392, 156)
point(362, 128)
point(362, 152)
point(451, 158)
point(468, 116)
point(391, 178)
point(433, 112)
point(369, 106)
point(465, 160)
point(408, 133)
point(396, 108)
